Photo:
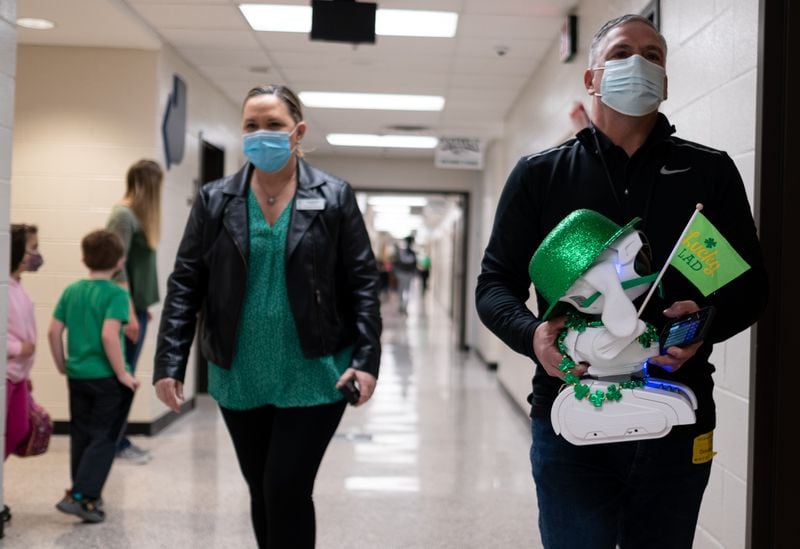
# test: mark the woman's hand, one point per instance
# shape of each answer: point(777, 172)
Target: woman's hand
point(170, 392)
point(365, 381)
point(546, 349)
point(677, 356)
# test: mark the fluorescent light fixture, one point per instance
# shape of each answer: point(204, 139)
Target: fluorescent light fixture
point(374, 101)
point(406, 220)
point(398, 201)
point(276, 17)
point(398, 227)
point(432, 24)
point(391, 210)
point(35, 23)
point(388, 141)
point(289, 18)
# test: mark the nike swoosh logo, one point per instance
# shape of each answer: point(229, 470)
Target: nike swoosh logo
point(665, 171)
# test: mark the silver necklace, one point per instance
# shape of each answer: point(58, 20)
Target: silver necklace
point(272, 199)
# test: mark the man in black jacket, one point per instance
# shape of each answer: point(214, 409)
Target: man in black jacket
point(625, 164)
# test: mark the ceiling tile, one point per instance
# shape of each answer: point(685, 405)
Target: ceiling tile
point(185, 16)
point(226, 39)
point(479, 84)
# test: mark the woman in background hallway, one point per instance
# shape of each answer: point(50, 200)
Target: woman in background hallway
point(277, 259)
point(136, 219)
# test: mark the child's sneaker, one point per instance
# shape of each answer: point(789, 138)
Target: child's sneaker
point(90, 511)
point(68, 504)
point(134, 455)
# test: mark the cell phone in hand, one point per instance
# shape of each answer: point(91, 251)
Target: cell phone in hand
point(350, 391)
point(687, 329)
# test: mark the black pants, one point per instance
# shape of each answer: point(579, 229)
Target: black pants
point(279, 452)
point(97, 408)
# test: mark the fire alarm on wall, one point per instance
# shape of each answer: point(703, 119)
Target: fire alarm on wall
point(569, 38)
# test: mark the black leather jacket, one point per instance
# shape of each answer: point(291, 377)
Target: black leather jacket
point(331, 275)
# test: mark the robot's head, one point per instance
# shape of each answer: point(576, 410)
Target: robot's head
point(593, 264)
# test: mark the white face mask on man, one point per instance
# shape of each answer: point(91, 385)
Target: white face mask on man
point(633, 86)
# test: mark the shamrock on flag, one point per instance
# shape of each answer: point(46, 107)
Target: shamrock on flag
point(705, 257)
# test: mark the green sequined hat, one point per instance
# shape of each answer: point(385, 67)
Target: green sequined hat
point(569, 250)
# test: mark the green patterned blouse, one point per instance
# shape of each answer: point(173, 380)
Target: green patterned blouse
point(268, 365)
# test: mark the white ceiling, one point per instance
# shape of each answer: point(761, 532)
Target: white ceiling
point(479, 85)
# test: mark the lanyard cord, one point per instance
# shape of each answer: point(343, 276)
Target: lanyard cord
point(605, 169)
point(610, 180)
point(648, 201)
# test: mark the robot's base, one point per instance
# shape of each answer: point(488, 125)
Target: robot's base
point(642, 413)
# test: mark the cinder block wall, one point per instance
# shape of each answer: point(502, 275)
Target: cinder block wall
point(8, 57)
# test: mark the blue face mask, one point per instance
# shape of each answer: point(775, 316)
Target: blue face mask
point(268, 151)
point(632, 86)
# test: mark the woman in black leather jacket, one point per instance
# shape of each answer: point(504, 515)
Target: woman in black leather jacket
point(276, 261)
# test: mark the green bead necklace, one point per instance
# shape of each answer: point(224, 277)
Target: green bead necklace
point(613, 393)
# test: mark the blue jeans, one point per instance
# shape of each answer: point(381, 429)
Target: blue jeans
point(132, 351)
point(644, 494)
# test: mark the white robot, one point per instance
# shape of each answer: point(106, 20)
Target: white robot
point(594, 269)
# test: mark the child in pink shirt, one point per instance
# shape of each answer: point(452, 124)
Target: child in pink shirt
point(21, 335)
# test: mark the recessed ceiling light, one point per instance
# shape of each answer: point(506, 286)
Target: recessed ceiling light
point(383, 141)
point(433, 24)
point(35, 23)
point(291, 18)
point(278, 18)
point(378, 101)
point(392, 200)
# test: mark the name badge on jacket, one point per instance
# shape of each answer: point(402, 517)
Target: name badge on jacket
point(310, 203)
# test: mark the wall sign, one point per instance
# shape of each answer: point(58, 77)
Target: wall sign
point(459, 152)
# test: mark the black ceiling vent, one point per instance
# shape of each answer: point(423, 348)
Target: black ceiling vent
point(343, 21)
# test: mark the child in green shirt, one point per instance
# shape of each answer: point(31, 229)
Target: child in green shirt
point(101, 387)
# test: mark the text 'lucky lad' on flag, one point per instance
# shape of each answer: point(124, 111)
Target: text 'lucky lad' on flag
point(706, 258)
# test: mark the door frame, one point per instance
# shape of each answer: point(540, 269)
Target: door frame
point(773, 481)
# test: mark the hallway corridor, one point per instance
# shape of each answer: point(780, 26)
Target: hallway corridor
point(437, 459)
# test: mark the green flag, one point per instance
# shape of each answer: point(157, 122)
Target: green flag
point(706, 258)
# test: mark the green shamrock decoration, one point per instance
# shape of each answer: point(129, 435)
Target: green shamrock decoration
point(597, 398)
point(613, 393)
point(581, 391)
point(571, 379)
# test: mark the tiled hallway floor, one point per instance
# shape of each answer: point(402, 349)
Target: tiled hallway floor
point(437, 459)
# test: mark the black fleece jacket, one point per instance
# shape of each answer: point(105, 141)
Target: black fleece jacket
point(661, 183)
